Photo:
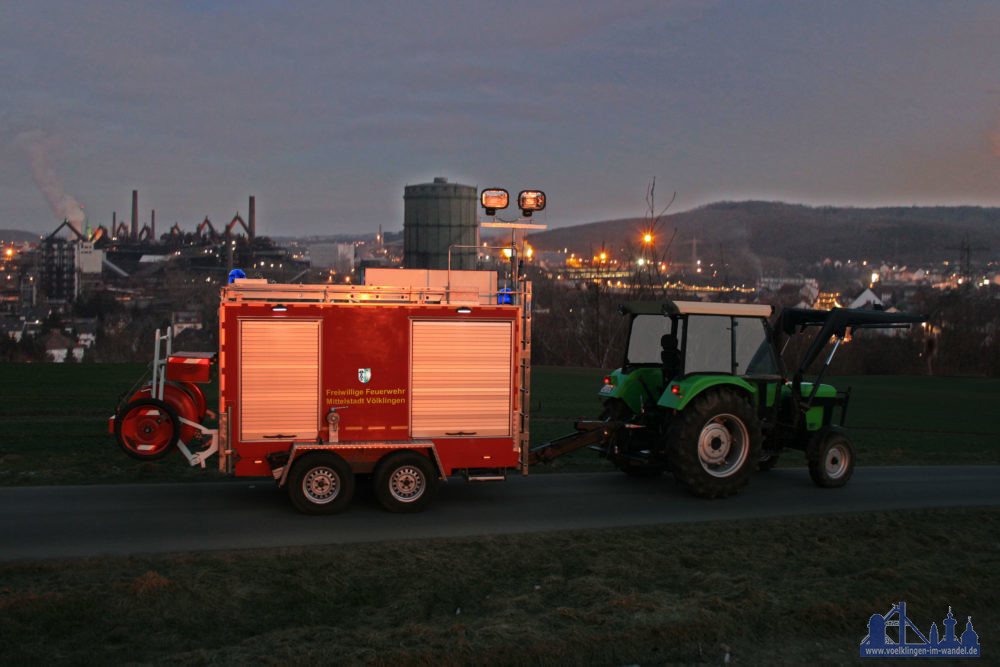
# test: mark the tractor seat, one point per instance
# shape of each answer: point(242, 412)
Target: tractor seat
point(670, 357)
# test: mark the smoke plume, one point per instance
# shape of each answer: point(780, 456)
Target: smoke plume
point(36, 145)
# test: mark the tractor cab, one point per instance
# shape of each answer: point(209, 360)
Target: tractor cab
point(676, 341)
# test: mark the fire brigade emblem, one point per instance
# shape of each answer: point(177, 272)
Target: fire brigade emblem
point(364, 375)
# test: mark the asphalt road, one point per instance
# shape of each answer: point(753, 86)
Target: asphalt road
point(118, 520)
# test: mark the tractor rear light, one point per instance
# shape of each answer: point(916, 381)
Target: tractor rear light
point(676, 391)
point(607, 379)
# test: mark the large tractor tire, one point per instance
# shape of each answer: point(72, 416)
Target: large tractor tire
point(831, 458)
point(147, 429)
point(715, 443)
point(405, 482)
point(320, 483)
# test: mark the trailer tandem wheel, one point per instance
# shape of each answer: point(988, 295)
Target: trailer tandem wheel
point(147, 428)
point(405, 482)
point(320, 483)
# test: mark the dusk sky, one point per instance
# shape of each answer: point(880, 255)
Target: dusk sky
point(326, 110)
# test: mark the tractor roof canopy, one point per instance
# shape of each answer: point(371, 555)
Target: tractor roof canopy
point(667, 308)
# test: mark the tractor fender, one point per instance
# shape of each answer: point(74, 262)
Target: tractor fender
point(639, 387)
point(680, 392)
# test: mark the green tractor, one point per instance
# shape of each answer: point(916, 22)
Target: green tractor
point(702, 392)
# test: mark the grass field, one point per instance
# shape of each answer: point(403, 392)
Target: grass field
point(793, 591)
point(55, 422)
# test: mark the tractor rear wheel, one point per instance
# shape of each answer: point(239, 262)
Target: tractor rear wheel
point(831, 459)
point(147, 429)
point(321, 483)
point(405, 482)
point(714, 443)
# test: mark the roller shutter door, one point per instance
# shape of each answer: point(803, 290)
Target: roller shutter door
point(460, 378)
point(279, 379)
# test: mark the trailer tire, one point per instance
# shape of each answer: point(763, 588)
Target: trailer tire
point(831, 459)
point(714, 443)
point(320, 483)
point(405, 482)
point(147, 429)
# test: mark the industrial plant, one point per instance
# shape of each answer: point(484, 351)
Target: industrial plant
point(175, 272)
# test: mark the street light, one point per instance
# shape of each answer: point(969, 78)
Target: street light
point(647, 238)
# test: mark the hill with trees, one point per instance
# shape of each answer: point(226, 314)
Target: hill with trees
point(770, 237)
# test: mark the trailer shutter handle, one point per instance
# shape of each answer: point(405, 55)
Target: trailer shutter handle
point(280, 435)
point(461, 433)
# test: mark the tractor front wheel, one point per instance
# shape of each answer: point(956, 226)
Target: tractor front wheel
point(715, 443)
point(831, 459)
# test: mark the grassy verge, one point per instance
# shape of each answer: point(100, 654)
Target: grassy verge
point(56, 427)
point(765, 591)
point(55, 422)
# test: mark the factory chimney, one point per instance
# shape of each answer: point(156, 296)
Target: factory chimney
point(253, 217)
point(135, 214)
point(152, 226)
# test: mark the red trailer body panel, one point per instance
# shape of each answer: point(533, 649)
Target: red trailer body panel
point(392, 372)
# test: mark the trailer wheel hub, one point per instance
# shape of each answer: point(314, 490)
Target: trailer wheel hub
point(407, 483)
point(321, 485)
point(722, 445)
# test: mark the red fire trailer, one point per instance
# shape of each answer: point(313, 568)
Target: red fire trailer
point(413, 377)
